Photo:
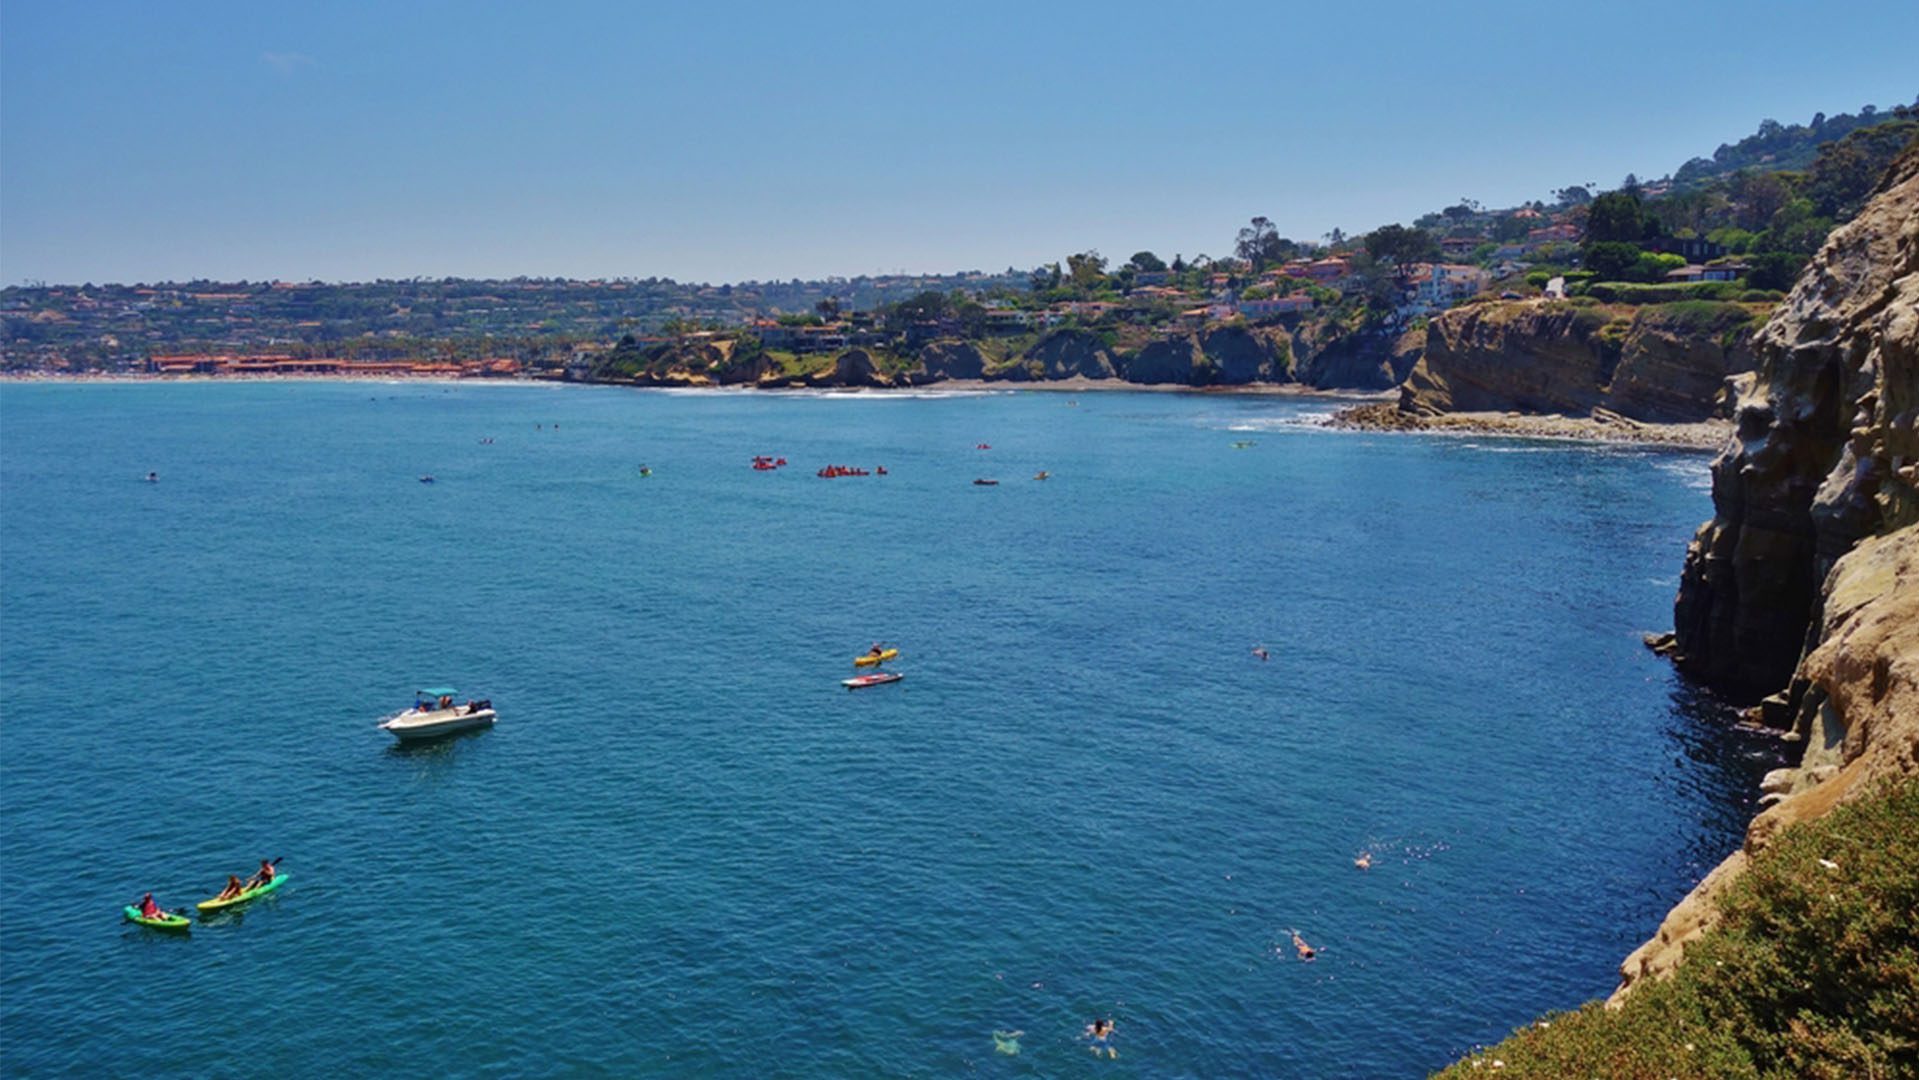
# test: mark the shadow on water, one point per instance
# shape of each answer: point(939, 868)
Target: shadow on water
point(437, 748)
point(1721, 760)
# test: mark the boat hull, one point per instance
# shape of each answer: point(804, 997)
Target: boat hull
point(414, 727)
point(861, 682)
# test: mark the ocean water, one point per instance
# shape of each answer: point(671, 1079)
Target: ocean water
point(686, 850)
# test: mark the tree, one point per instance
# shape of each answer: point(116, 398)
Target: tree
point(1179, 264)
point(1146, 261)
point(1401, 246)
point(1576, 195)
point(1611, 260)
point(1045, 277)
point(1615, 218)
point(1335, 237)
point(1260, 244)
point(829, 308)
point(1087, 269)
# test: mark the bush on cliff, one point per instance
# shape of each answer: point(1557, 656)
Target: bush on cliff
point(1812, 971)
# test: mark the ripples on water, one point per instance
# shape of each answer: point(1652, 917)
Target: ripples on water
point(685, 850)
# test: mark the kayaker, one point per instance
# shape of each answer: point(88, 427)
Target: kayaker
point(149, 909)
point(876, 650)
point(264, 876)
point(234, 888)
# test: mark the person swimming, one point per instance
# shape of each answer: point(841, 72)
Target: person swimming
point(1099, 1032)
point(1365, 860)
point(1260, 651)
point(1306, 952)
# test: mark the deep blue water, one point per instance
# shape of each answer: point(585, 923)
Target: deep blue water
point(685, 850)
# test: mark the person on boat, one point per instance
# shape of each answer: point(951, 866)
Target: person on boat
point(446, 701)
point(1306, 952)
point(149, 909)
point(264, 876)
point(234, 888)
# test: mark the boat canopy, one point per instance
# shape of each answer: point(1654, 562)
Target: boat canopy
point(437, 692)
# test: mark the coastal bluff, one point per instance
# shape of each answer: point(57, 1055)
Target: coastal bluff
point(1803, 589)
point(1656, 363)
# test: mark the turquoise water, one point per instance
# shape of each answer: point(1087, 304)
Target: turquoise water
point(685, 850)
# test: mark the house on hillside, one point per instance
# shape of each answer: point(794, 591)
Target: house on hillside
point(1686, 275)
point(1563, 233)
point(1291, 304)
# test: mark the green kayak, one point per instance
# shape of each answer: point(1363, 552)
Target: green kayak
point(256, 891)
point(164, 922)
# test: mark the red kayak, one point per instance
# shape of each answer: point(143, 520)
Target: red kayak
point(861, 682)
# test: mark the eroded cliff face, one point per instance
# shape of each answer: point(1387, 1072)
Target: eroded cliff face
point(1660, 362)
point(1815, 539)
point(1823, 451)
point(1227, 356)
point(1066, 354)
point(1360, 360)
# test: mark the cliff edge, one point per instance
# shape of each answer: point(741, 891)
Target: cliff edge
point(1805, 584)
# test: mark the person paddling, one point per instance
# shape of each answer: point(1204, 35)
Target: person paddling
point(149, 909)
point(234, 888)
point(264, 876)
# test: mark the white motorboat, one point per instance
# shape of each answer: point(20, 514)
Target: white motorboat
point(435, 712)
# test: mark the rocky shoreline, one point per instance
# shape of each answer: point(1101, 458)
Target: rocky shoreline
point(1601, 426)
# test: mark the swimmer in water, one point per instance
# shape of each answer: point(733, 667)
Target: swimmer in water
point(1099, 1031)
point(1365, 860)
point(1306, 952)
point(1260, 651)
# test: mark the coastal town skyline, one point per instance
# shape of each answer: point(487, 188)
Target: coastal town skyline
point(775, 144)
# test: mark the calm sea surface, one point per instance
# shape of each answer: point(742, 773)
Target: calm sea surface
point(685, 850)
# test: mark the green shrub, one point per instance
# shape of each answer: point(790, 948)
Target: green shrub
point(1812, 971)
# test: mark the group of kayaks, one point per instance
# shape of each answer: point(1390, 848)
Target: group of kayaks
point(876, 677)
point(177, 920)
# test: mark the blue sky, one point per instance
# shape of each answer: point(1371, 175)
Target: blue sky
point(726, 141)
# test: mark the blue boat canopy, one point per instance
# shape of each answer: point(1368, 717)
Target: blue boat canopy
point(437, 692)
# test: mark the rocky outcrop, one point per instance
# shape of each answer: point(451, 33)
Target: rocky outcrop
point(1239, 356)
point(1861, 726)
point(1069, 354)
point(952, 360)
point(1677, 360)
point(1666, 363)
point(1540, 356)
point(1327, 359)
point(1823, 451)
point(1815, 539)
point(1225, 356)
point(1177, 359)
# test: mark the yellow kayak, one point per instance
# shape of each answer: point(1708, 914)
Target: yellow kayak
point(257, 890)
point(871, 659)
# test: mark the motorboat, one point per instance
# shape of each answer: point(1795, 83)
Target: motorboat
point(435, 712)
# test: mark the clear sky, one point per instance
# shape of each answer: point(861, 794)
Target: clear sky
point(726, 141)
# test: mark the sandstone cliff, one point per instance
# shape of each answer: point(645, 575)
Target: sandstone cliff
point(1328, 358)
point(1823, 452)
point(1661, 362)
point(1226, 356)
point(1066, 354)
point(1815, 539)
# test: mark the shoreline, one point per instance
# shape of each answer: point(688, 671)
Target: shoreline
point(1703, 436)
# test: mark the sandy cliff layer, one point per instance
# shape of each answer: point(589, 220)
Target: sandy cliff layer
point(1661, 363)
point(1815, 539)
